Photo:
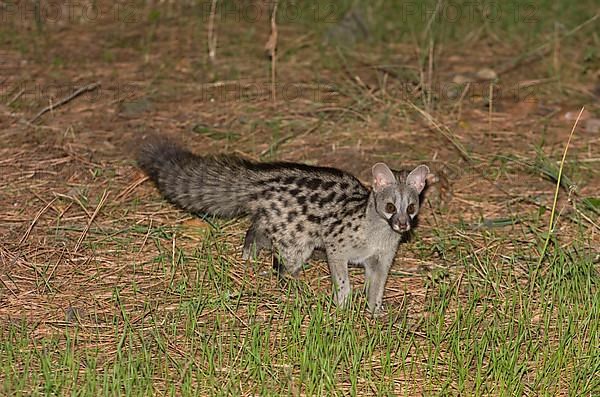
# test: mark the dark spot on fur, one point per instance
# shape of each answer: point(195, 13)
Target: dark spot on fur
point(332, 227)
point(357, 199)
point(304, 210)
point(342, 197)
point(275, 180)
point(333, 214)
point(261, 212)
point(313, 184)
point(286, 203)
point(355, 228)
point(275, 209)
point(302, 182)
point(314, 219)
point(344, 185)
point(351, 211)
point(296, 192)
point(291, 216)
point(327, 199)
point(299, 227)
point(328, 185)
point(289, 180)
point(314, 198)
point(300, 199)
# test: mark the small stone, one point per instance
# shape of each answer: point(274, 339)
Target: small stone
point(463, 79)
point(592, 125)
point(486, 74)
point(572, 115)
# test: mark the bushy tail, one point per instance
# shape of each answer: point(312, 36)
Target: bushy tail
point(219, 186)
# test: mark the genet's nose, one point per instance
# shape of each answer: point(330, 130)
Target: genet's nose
point(403, 225)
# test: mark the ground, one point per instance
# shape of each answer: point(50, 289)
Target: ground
point(105, 288)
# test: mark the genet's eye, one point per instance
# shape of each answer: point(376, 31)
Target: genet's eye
point(390, 208)
point(410, 209)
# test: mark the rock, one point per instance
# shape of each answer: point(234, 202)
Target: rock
point(572, 115)
point(463, 79)
point(486, 74)
point(592, 125)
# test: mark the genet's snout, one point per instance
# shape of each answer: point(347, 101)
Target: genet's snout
point(400, 225)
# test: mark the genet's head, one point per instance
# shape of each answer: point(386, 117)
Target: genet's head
point(395, 201)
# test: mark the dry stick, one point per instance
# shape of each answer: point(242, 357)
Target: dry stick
point(433, 16)
point(87, 227)
point(491, 106)
point(125, 192)
point(457, 108)
point(430, 75)
point(35, 219)
point(272, 48)
point(8, 288)
point(444, 131)
point(428, 86)
point(587, 218)
point(89, 87)
point(146, 237)
point(556, 52)
point(17, 96)
point(212, 37)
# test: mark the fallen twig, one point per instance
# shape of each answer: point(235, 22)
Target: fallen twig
point(17, 96)
point(444, 131)
point(89, 87)
point(212, 36)
point(89, 224)
point(271, 48)
point(34, 221)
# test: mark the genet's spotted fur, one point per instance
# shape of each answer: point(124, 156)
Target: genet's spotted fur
point(296, 208)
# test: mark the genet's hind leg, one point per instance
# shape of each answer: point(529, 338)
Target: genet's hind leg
point(254, 241)
point(289, 256)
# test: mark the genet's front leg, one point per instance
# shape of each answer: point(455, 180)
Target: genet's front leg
point(376, 273)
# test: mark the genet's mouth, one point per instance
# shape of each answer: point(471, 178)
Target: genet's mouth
point(400, 228)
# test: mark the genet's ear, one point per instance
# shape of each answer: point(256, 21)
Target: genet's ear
point(416, 178)
point(382, 177)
